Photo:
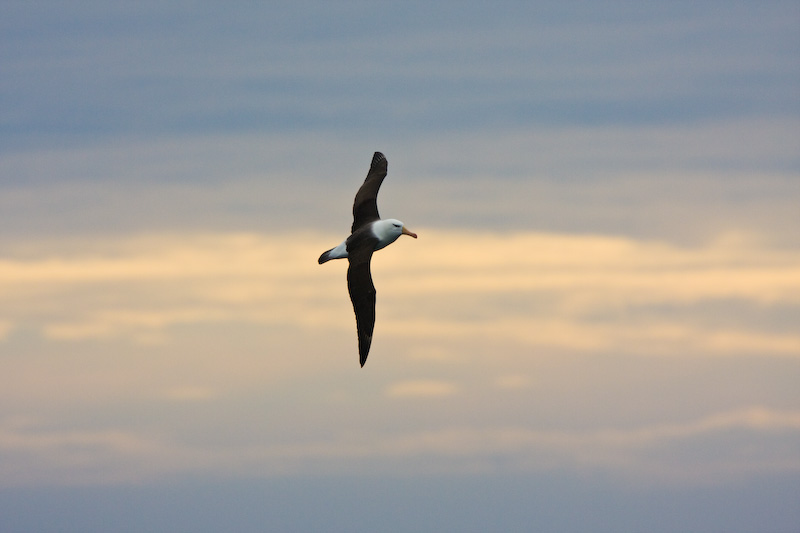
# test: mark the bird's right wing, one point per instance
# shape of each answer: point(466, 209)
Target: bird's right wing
point(362, 294)
point(365, 207)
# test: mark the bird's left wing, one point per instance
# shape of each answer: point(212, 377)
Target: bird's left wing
point(362, 294)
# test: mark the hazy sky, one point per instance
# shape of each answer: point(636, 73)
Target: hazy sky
point(597, 329)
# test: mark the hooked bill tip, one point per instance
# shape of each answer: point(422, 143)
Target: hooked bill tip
point(409, 233)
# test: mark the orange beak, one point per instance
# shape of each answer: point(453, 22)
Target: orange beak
point(409, 233)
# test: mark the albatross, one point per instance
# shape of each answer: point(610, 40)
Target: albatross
point(368, 234)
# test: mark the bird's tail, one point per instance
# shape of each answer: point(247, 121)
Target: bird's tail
point(326, 256)
point(338, 252)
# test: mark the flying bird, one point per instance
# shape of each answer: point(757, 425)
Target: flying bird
point(368, 234)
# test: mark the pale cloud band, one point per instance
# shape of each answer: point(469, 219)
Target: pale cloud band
point(569, 292)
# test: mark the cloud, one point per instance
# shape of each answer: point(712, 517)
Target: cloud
point(586, 293)
point(33, 455)
point(421, 388)
point(330, 67)
point(5, 327)
point(190, 393)
point(681, 183)
point(647, 454)
point(513, 381)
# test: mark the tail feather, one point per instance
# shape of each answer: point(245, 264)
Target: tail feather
point(326, 256)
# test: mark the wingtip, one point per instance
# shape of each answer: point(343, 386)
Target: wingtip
point(364, 344)
point(378, 158)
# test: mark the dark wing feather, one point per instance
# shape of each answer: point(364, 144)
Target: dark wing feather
point(362, 292)
point(365, 207)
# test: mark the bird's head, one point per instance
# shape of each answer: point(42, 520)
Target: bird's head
point(398, 228)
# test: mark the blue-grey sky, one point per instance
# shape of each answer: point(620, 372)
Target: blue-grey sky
point(227, 116)
point(383, 69)
point(595, 331)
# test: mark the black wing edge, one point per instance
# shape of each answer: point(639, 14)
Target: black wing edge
point(378, 159)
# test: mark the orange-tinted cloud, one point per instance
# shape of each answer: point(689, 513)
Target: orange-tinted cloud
point(576, 292)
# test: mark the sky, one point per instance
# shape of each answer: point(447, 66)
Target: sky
point(597, 329)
